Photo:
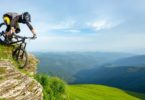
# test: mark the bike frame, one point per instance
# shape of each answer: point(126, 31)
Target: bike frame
point(22, 43)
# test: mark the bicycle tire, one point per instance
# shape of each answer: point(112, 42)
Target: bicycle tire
point(17, 55)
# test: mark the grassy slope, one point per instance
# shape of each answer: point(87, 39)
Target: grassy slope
point(100, 92)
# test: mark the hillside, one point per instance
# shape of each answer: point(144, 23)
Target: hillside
point(67, 64)
point(128, 78)
point(100, 92)
point(15, 83)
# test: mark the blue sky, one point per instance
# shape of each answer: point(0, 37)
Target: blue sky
point(83, 25)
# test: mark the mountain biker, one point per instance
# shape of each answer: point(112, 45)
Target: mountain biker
point(12, 20)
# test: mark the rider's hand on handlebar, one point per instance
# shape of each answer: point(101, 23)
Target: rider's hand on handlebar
point(34, 36)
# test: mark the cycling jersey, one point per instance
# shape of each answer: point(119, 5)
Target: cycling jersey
point(13, 19)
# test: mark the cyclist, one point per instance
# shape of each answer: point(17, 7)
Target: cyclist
point(12, 20)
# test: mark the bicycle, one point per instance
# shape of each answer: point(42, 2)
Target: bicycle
point(19, 54)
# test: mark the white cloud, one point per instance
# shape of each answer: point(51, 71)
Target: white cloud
point(73, 30)
point(63, 25)
point(120, 43)
point(103, 24)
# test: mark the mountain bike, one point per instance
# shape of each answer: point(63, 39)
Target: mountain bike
point(19, 54)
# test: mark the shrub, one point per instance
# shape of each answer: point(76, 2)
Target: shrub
point(53, 87)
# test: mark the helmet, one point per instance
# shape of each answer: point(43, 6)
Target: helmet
point(26, 17)
point(7, 20)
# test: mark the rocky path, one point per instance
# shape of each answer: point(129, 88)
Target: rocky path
point(15, 85)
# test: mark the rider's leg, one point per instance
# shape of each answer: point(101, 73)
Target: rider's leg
point(17, 28)
point(8, 39)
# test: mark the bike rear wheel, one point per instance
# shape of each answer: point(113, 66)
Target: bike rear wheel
point(21, 56)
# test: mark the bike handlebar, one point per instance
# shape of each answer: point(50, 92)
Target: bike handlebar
point(22, 37)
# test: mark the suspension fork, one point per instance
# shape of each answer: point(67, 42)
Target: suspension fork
point(21, 46)
point(24, 46)
point(18, 48)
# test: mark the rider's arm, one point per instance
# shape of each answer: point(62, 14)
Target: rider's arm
point(31, 28)
point(1, 24)
point(9, 29)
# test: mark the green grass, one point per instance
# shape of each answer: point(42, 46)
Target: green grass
point(100, 92)
point(5, 52)
point(53, 87)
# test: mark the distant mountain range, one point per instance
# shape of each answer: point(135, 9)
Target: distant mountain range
point(121, 70)
point(138, 60)
point(126, 73)
point(67, 64)
point(128, 78)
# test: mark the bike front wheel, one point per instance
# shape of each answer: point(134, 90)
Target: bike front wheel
point(21, 56)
